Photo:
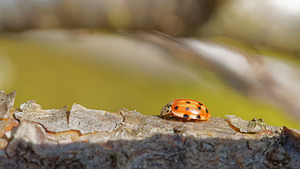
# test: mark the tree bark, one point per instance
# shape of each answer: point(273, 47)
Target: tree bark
point(84, 138)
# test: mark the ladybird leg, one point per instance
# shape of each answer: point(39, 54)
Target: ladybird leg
point(181, 120)
point(162, 116)
point(165, 116)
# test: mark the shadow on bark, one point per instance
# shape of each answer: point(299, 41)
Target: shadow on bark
point(158, 151)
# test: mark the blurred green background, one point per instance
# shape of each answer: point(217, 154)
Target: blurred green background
point(56, 76)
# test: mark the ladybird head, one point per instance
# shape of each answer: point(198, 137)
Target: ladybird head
point(166, 110)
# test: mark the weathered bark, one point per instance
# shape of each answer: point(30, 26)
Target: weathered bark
point(85, 138)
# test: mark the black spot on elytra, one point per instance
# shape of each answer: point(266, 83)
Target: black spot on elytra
point(198, 116)
point(199, 108)
point(206, 111)
point(187, 108)
point(176, 107)
point(186, 116)
point(188, 102)
point(200, 104)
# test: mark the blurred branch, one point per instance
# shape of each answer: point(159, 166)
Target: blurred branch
point(261, 77)
point(174, 17)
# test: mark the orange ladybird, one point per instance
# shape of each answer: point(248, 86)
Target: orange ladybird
point(185, 108)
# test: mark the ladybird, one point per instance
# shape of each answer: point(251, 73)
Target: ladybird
point(185, 108)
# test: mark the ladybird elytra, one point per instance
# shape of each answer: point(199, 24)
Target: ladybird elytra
point(186, 108)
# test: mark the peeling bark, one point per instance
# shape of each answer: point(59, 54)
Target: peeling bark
point(6, 103)
point(89, 138)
